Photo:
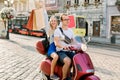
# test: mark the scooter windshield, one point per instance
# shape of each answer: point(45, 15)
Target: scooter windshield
point(82, 42)
point(80, 39)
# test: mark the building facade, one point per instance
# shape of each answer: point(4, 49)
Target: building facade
point(93, 10)
point(102, 16)
point(1, 4)
point(113, 18)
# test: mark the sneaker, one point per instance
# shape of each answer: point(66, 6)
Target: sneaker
point(54, 77)
point(67, 78)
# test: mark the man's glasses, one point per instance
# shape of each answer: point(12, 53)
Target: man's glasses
point(66, 19)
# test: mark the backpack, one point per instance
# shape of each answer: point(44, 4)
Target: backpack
point(43, 45)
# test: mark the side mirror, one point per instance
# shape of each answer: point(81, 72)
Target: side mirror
point(87, 39)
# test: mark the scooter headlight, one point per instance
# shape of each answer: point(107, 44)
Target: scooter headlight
point(83, 47)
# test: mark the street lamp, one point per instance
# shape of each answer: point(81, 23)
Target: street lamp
point(8, 3)
point(101, 18)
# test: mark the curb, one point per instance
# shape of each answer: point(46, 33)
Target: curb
point(117, 46)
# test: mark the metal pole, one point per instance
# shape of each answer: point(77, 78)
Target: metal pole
point(7, 36)
point(7, 25)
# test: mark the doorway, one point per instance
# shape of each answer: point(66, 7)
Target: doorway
point(96, 28)
point(86, 25)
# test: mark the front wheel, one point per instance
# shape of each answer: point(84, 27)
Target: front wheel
point(92, 77)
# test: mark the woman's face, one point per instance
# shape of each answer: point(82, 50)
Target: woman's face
point(53, 23)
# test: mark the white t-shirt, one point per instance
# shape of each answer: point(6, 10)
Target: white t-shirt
point(69, 33)
point(51, 35)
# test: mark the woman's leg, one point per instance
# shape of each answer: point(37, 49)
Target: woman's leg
point(53, 63)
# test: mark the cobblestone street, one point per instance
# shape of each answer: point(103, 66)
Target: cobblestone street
point(25, 22)
point(19, 60)
point(106, 63)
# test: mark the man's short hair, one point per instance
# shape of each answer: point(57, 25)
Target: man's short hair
point(61, 17)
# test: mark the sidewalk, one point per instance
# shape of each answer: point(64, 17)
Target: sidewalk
point(105, 41)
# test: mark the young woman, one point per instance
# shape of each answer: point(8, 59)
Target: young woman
point(52, 49)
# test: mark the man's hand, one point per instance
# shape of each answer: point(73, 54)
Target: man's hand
point(65, 48)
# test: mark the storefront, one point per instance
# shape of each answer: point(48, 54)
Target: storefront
point(115, 24)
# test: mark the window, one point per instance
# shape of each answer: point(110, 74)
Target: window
point(77, 2)
point(68, 2)
point(80, 22)
point(97, 0)
point(86, 1)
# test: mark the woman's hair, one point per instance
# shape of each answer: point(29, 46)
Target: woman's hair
point(52, 17)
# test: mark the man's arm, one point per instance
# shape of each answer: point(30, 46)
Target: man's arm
point(57, 44)
point(56, 41)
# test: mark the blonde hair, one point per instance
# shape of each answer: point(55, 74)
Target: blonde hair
point(53, 17)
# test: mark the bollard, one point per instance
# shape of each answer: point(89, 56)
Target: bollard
point(113, 39)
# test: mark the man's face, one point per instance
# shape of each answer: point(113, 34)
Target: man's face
point(65, 20)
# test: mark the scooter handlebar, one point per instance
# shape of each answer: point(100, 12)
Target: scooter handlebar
point(78, 47)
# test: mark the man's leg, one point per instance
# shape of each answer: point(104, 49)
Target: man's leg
point(63, 58)
point(66, 66)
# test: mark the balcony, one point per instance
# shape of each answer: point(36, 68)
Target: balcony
point(67, 6)
point(86, 4)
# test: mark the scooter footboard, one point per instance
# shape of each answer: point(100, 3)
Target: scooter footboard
point(92, 77)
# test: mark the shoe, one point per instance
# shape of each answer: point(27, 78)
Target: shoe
point(68, 78)
point(54, 77)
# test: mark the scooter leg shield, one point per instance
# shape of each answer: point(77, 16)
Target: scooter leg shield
point(83, 66)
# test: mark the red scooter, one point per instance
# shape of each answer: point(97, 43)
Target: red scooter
point(83, 68)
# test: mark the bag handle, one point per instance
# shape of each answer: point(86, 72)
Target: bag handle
point(62, 31)
point(65, 36)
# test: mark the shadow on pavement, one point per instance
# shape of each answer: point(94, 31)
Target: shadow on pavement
point(31, 48)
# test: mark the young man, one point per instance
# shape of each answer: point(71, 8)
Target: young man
point(61, 46)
